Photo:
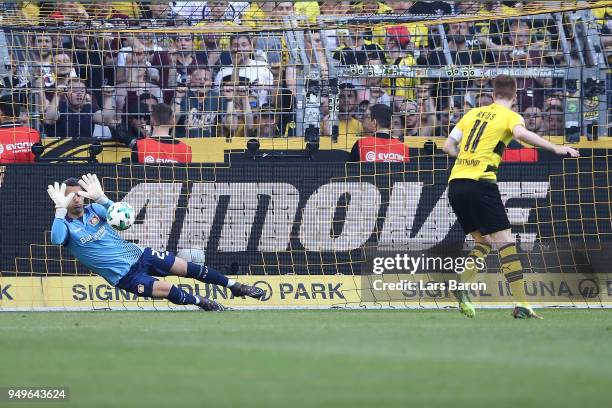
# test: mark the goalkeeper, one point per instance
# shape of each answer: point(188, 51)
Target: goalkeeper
point(84, 231)
point(478, 141)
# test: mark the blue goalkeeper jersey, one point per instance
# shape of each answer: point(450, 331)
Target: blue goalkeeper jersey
point(95, 243)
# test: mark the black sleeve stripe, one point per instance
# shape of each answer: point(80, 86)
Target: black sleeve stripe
point(499, 149)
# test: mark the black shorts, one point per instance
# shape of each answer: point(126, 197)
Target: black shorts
point(478, 206)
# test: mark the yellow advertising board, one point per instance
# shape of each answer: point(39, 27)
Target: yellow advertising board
point(297, 291)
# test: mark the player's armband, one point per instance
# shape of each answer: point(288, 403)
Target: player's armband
point(456, 134)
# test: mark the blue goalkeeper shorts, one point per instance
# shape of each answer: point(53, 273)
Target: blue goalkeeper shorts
point(140, 278)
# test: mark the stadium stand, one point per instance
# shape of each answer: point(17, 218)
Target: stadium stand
point(288, 73)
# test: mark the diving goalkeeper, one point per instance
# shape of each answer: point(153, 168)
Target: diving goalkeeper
point(84, 231)
point(478, 141)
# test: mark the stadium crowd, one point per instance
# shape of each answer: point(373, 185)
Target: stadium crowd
point(226, 70)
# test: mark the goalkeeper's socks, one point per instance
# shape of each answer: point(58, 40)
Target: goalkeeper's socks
point(480, 251)
point(180, 297)
point(513, 271)
point(206, 274)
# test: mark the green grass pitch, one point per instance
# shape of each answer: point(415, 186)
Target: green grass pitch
point(331, 358)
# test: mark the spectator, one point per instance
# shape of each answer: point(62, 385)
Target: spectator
point(224, 11)
point(40, 59)
point(237, 120)
point(88, 62)
point(138, 125)
point(554, 99)
point(63, 69)
point(533, 119)
point(397, 42)
point(483, 99)
point(488, 32)
point(137, 82)
point(67, 12)
point(522, 51)
point(177, 63)
point(443, 128)
point(257, 72)
point(140, 54)
point(197, 106)
point(460, 51)
point(277, 11)
point(161, 147)
point(15, 83)
point(477, 91)
point(216, 47)
point(16, 140)
point(361, 114)
point(161, 13)
point(75, 115)
point(195, 11)
point(397, 102)
point(219, 16)
point(355, 49)
point(325, 124)
point(148, 99)
point(430, 8)
point(189, 11)
point(417, 31)
point(555, 121)
point(411, 112)
point(379, 146)
point(370, 7)
point(335, 7)
point(348, 126)
point(398, 127)
point(266, 125)
point(315, 53)
point(468, 7)
point(426, 108)
point(104, 10)
point(374, 92)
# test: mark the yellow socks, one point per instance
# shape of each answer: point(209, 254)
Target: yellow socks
point(479, 251)
point(513, 271)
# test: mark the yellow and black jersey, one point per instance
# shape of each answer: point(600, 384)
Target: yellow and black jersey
point(484, 134)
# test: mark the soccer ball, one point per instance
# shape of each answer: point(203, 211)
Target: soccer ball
point(120, 216)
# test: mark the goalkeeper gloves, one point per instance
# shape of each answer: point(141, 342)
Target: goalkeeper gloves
point(92, 189)
point(59, 197)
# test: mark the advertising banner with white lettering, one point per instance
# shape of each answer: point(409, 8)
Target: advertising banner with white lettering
point(319, 221)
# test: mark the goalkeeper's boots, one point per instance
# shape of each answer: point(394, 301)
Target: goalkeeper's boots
point(240, 289)
point(210, 305)
point(523, 312)
point(465, 303)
